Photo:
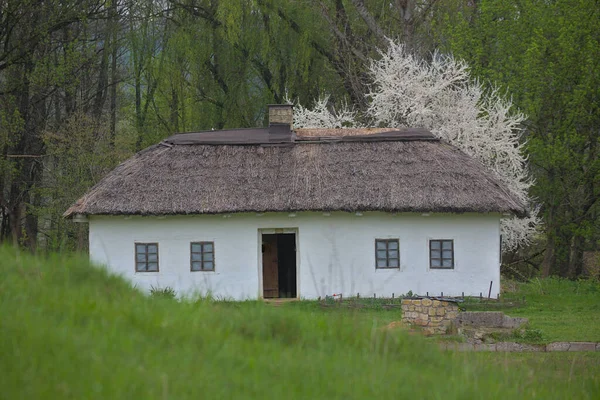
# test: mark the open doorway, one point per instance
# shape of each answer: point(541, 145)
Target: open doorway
point(279, 265)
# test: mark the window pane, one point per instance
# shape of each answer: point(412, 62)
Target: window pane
point(140, 248)
point(196, 247)
point(380, 245)
point(447, 253)
point(393, 262)
point(447, 244)
point(435, 254)
point(447, 263)
point(381, 263)
point(393, 245)
point(435, 244)
point(208, 247)
point(153, 257)
point(208, 265)
point(196, 265)
point(435, 262)
point(393, 253)
point(381, 254)
point(152, 266)
point(196, 257)
point(152, 248)
point(208, 256)
point(140, 258)
point(140, 267)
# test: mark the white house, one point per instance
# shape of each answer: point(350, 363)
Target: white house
point(277, 212)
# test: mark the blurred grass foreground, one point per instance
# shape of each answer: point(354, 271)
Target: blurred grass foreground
point(69, 330)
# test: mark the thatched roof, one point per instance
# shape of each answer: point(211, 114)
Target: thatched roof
point(315, 170)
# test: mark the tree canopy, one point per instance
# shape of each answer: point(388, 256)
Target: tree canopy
point(85, 84)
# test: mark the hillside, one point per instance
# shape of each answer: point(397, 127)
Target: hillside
point(69, 330)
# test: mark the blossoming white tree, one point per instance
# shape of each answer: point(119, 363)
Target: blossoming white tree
point(442, 96)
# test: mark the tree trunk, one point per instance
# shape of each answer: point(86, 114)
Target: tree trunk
point(31, 226)
point(70, 102)
point(174, 110)
point(576, 256)
point(549, 254)
point(407, 10)
point(114, 76)
point(102, 86)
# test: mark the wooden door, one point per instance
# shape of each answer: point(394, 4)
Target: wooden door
point(270, 267)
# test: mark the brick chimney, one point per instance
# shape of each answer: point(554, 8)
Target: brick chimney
point(281, 114)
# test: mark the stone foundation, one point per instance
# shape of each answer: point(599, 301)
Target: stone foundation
point(434, 316)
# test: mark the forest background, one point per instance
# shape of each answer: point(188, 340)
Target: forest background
point(84, 84)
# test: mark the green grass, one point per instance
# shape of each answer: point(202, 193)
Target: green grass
point(562, 310)
point(370, 309)
point(540, 367)
point(71, 331)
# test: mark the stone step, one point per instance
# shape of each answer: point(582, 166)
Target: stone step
point(522, 347)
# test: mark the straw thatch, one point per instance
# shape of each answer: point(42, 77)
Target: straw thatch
point(395, 176)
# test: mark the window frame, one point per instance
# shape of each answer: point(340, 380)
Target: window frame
point(442, 258)
point(202, 260)
point(146, 253)
point(387, 255)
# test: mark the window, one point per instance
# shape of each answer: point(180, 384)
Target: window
point(146, 257)
point(441, 254)
point(202, 256)
point(387, 253)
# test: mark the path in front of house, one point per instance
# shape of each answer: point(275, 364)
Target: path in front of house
point(522, 347)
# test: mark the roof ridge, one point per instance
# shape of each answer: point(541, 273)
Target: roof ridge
point(282, 134)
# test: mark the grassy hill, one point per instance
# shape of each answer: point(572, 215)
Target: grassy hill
point(69, 330)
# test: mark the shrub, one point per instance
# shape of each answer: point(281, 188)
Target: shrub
point(166, 292)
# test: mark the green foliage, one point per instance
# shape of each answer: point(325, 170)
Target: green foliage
point(11, 125)
point(70, 330)
point(546, 54)
point(526, 335)
point(166, 292)
point(77, 158)
point(532, 335)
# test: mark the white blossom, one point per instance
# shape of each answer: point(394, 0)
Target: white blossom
point(324, 116)
point(442, 97)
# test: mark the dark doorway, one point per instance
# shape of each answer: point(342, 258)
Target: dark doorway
point(279, 265)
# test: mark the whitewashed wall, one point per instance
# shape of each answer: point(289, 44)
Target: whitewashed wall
point(336, 252)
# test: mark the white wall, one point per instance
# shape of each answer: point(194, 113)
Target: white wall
point(336, 252)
